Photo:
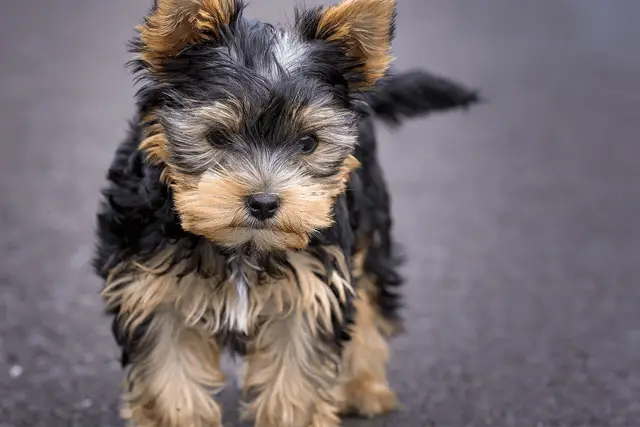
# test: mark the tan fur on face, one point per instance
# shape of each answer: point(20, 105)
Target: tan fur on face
point(364, 25)
point(154, 143)
point(213, 206)
point(156, 148)
point(366, 390)
point(171, 380)
point(176, 24)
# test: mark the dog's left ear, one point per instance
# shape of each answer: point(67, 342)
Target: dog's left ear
point(364, 29)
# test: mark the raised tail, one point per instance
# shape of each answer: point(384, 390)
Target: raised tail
point(417, 93)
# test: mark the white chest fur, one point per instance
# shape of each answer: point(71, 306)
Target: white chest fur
point(236, 310)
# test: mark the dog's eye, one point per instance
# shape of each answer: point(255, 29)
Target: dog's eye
point(308, 144)
point(218, 139)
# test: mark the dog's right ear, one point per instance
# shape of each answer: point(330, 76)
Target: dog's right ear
point(173, 25)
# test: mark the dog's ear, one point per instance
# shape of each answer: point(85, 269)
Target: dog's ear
point(364, 29)
point(173, 25)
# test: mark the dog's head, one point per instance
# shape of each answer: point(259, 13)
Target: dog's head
point(252, 123)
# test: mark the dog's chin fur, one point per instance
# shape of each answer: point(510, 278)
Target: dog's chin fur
point(229, 108)
point(259, 240)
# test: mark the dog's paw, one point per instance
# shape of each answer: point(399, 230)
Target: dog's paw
point(369, 399)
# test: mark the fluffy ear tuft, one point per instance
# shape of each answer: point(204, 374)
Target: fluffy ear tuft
point(173, 25)
point(366, 29)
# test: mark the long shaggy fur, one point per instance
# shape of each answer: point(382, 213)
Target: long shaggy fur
point(309, 294)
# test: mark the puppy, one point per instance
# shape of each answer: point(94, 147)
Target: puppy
point(247, 210)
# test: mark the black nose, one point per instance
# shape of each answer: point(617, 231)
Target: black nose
point(263, 205)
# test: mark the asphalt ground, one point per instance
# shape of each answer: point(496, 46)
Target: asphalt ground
point(520, 217)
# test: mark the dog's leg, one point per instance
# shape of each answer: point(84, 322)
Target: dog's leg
point(364, 376)
point(293, 382)
point(378, 281)
point(173, 370)
point(292, 367)
point(164, 325)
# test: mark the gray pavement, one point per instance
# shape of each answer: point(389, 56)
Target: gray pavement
point(520, 217)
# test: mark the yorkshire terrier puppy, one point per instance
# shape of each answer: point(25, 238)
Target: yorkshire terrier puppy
point(247, 210)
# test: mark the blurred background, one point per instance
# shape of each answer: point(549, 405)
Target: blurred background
point(520, 217)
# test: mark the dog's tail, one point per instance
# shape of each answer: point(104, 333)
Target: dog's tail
point(417, 93)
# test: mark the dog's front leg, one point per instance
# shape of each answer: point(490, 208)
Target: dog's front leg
point(364, 369)
point(292, 377)
point(163, 324)
point(174, 369)
point(293, 363)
